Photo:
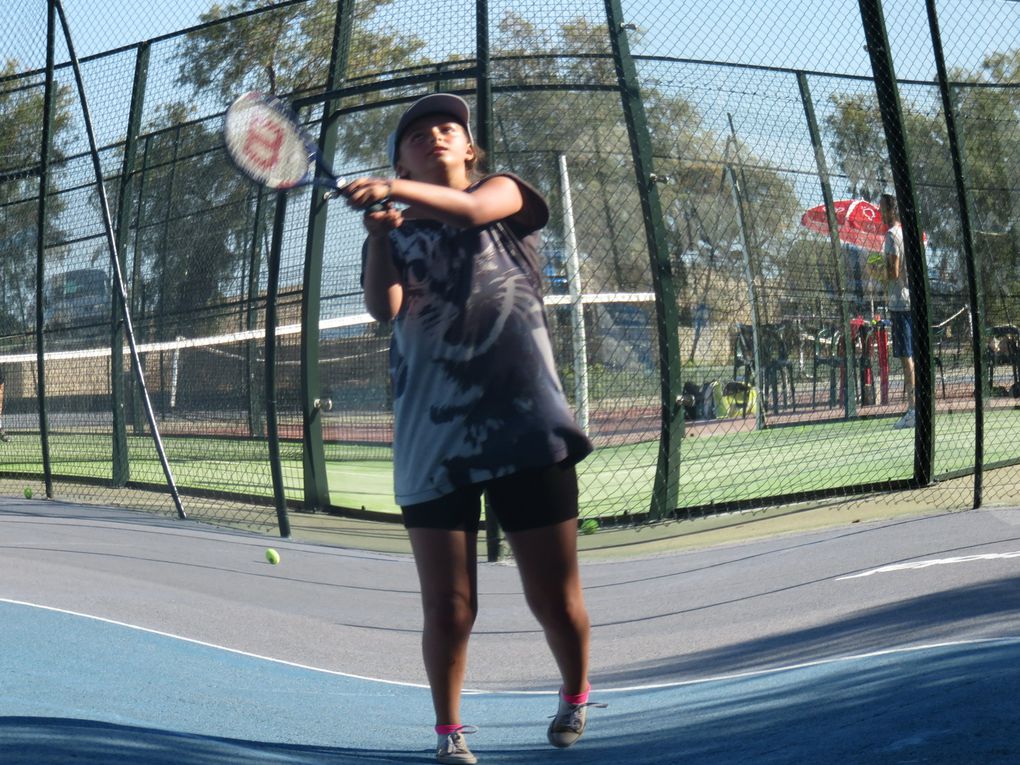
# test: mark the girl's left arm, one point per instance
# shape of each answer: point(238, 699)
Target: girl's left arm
point(893, 262)
point(497, 198)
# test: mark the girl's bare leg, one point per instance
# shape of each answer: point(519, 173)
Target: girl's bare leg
point(448, 574)
point(547, 560)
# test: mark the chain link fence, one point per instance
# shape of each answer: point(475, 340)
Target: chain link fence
point(716, 288)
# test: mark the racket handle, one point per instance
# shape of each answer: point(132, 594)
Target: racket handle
point(379, 206)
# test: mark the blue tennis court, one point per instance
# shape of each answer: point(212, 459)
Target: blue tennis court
point(133, 639)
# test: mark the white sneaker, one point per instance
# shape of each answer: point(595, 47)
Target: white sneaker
point(568, 723)
point(906, 421)
point(452, 748)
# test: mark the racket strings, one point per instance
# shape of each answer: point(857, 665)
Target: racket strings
point(266, 145)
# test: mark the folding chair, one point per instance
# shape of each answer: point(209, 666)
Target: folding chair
point(826, 355)
point(1004, 350)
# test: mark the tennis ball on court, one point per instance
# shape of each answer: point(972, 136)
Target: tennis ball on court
point(28, 492)
point(272, 556)
point(589, 526)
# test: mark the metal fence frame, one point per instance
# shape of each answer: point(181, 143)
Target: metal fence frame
point(339, 87)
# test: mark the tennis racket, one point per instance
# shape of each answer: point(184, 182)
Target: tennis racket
point(267, 144)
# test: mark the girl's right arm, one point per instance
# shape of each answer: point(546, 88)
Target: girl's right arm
point(384, 292)
point(497, 198)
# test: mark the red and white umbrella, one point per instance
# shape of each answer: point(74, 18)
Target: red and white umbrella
point(859, 223)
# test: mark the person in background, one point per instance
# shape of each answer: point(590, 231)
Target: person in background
point(898, 301)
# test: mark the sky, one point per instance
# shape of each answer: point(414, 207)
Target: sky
point(96, 25)
point(823, 35)
point(815, 35)
point(811, 34)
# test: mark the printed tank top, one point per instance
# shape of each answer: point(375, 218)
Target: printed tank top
point(476, 393)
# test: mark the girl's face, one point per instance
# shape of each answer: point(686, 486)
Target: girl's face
point(434, 146)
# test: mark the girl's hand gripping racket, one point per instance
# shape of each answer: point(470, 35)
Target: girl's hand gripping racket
point(267, 144)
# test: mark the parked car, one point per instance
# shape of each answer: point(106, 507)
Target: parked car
point(79, 298)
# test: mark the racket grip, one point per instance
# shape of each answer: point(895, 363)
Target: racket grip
point(379, 206)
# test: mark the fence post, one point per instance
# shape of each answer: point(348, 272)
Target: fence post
point(850, 367)
point(121, 466)
point(49, 103)
point(483, 81)
point(272, 423)
point(752, 296)
point(917, 268)
point(316, 483)
point(138, 305)
point(256, 407)
point(667, 473)
point(166, 286)
point(484, 137)
point(970, 255)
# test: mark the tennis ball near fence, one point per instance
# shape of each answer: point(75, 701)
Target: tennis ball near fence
point(28, 492)
point(589, 526)
point(272, 556)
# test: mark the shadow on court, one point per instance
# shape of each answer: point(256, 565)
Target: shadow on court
point(58, 741)
point(952, 704)
point(933, 617)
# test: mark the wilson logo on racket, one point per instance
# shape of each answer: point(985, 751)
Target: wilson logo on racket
point(262, 144)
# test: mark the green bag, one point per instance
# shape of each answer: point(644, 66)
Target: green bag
point(740, 399)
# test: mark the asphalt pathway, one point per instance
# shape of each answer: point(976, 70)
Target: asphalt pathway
point(133, 639)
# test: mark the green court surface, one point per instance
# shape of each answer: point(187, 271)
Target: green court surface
point(614, 481)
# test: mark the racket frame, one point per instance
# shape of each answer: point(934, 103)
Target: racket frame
point(317, 166)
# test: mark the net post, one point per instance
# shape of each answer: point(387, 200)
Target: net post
point(887, 92)
point(665, 492)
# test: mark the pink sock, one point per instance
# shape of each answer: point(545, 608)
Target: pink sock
point(446, 730)
point(580, 698)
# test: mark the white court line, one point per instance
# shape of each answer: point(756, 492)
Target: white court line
point(601, 691)
point(919, 564)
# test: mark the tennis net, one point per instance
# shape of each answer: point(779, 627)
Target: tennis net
point(208, 395)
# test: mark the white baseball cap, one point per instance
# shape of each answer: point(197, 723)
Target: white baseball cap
point(437, 103)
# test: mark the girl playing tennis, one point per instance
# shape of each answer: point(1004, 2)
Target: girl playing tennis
point(478, 406)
